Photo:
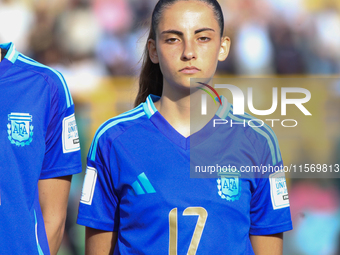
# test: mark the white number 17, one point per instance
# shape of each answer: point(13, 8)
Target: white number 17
point(196, 237)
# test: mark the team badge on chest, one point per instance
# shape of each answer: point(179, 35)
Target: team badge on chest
point(19, 129)
point(228, 186)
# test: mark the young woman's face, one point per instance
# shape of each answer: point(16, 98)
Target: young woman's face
point(188, 43)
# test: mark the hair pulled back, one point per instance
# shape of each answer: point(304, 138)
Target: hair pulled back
point(151, 77)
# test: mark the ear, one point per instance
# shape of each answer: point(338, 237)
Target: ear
point(224, 49)
point(153, 51)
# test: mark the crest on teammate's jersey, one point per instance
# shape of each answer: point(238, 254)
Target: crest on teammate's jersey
point(228, 185)
point(19, 128)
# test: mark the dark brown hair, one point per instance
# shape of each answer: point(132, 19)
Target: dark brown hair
point(151, 77)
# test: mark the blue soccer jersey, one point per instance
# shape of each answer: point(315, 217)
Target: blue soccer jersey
point(39, 140)
point(138, 183)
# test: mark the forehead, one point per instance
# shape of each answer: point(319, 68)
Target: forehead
point(188, 15)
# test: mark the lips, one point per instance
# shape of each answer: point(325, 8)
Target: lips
point(189, 70)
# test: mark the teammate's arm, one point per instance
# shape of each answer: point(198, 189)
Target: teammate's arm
point(99, 242)
point(267, 245)
point(53, 197)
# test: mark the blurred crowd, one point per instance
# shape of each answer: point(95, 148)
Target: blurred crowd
point(106, 38)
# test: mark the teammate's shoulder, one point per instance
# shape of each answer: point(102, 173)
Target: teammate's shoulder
point(49, 76)
point(32, 65)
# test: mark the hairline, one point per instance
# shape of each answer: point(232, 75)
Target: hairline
point(168, 5)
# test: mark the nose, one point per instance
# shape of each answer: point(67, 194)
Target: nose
point(189, 51)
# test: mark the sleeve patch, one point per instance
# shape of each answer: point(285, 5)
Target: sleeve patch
point(70, 135)
point(89, 185)
point(278, 190)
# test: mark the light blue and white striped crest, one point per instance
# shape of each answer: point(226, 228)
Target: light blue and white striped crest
point(19, 128)
point(228, 185)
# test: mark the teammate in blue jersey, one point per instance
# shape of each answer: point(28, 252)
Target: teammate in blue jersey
point(138, 197)
point(39, 154)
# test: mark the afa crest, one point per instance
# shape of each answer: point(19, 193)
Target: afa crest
point(19, 129)
point(228, 185)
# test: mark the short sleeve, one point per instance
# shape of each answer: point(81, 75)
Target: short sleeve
point(269, 207)
point(62, 147)
point(98, 206)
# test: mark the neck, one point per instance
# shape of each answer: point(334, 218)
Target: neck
point(176, 110)
point(183, 110)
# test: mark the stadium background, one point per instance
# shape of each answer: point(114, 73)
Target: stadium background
point(97, 45)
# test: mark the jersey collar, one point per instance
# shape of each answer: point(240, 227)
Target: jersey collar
point(224, 109)
point(12, 53)
point(10, 57)
point(150, 108)
point(166, 129)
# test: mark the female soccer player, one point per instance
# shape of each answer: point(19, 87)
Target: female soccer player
point(138, 197)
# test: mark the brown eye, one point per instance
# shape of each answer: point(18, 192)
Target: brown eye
point(204, 39)
point(171, 40)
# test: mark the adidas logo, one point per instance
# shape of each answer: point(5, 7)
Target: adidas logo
point(142, 185)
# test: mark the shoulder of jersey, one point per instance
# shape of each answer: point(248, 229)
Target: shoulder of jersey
point(50, 75)
point(257, 132)
point(116, 126)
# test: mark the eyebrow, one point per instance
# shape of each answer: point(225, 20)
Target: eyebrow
point(179, 33)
